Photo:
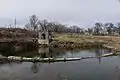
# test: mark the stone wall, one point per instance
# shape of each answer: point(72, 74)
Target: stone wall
point(41, 41)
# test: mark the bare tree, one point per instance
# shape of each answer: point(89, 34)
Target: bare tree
point(43, 25)
point(110, 27)
point(97, 28)
point(27, 26)
point(33, 22)
point(118, 25)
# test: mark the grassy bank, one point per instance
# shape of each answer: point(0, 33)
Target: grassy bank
point(83, 41)
point(76, 41)
point(64, 40)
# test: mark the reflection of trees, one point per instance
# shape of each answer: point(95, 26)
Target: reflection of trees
point(117, 69)
point(62, 77)
point(72, 53)
point(53, 52)
point(98, 52)
point(57, 52)
point(109, 50)
point(4, 48)
point(35, 67)
point(14, 49)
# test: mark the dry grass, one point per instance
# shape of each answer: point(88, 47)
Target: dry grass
point(81, 38)
point(113, 41)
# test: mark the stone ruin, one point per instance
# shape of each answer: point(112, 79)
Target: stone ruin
point(45, 37)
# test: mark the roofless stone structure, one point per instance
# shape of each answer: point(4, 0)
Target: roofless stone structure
point(45, 37)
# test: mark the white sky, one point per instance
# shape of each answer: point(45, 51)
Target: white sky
point(80, 12)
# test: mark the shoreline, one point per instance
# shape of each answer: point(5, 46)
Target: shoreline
point(72, 45)
point(72, 41)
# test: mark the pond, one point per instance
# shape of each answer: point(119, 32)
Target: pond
point(106, 68)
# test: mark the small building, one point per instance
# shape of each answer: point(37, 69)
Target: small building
point(45, 37)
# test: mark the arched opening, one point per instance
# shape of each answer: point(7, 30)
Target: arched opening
point(43, 36)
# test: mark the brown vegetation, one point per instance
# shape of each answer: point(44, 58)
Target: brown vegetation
point(83, 41)
point(66, 40)
point(16, 33)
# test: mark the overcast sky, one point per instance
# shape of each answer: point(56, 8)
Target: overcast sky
point(80, 12)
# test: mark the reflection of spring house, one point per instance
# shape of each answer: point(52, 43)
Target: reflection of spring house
point(44, 52)
point(45, 37)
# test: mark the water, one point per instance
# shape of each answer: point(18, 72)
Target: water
point(107, 68)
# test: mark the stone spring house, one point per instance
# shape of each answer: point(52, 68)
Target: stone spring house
point(45, 37)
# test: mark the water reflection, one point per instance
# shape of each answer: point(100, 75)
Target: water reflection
point(29, 51)
point(35, 67)
point(117, 69)
point(54, 52)
point(99, 52)
point(51, 52)
point(87, 69)
point(44, 52)
point(62, 77)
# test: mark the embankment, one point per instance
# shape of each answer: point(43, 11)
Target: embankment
point(83, 41)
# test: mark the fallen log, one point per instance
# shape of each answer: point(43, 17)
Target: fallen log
point(38, 59)
point(109, 47)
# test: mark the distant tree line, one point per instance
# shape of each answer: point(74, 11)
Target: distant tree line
point(106, 28)
point(98, 29)
point(35, 24)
